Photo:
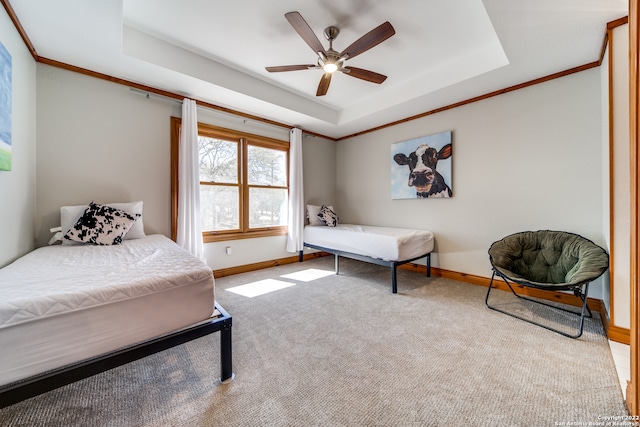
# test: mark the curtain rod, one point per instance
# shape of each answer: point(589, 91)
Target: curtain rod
point(218, 110)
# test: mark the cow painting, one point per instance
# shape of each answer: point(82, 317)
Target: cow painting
point(421, 160)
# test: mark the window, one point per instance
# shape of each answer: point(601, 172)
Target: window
point(244, 184)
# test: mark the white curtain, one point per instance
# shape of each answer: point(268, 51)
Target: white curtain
point(296, 196)
point(189, 226)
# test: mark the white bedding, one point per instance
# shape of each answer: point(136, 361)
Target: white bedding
point(387, 243)
point(62, 304)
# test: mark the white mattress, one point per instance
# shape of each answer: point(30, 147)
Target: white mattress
point(387, 243)
point(63, 304)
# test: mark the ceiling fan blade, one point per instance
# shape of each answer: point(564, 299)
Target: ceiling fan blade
point(369, 40)
point(367, 75)
point(281, 68)
point(300, 25)
point(323, 87)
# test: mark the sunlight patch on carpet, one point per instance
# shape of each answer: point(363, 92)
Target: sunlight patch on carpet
point(260, 287)
point(308, 275)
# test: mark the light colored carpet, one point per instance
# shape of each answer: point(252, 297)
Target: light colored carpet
point(344, 351)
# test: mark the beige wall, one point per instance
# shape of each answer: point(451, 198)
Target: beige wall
point(18, 186)
point(526, 160)
point(606, 216)
point(100, 141)
point(530, 159)
point(621, 207)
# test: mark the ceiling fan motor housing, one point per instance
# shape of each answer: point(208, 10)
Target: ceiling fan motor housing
point(330, 57)
point(330, 33)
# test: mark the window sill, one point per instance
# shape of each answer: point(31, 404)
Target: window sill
point(220, 237)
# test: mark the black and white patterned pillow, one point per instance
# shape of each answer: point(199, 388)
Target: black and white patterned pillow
point(328, 216)
point(101, 225)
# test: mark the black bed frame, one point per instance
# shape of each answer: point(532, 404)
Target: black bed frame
point(50, 380)
point(393, 264)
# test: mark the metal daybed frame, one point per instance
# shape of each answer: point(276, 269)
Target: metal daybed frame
point(392, 264)
point(50, 380)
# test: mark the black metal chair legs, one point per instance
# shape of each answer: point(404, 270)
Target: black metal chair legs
point(580, 292)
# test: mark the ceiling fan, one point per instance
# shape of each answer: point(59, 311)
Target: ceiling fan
point(330, 60)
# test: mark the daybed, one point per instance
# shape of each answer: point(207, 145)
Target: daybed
point(70, 311)
point(386, 246)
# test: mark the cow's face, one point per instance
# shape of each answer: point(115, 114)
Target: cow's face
point(422, 165)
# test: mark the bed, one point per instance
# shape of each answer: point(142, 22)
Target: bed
point(386, 246)
point(70, 311)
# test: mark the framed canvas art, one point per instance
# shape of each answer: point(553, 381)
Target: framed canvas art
point(421, 167)
point(5, 109)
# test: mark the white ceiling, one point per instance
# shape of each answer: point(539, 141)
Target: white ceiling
point(214, 51)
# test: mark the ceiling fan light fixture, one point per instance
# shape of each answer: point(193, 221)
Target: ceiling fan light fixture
point(330, 67)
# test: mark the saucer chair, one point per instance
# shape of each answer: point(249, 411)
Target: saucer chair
point(548, 260)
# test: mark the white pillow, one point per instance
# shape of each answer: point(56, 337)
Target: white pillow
point(312, 214)
point(69, 215)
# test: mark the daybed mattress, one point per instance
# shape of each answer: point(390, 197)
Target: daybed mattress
point(387, 243)
point(63, 304)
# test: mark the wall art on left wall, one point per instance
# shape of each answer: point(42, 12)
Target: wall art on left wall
point(5, 109)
